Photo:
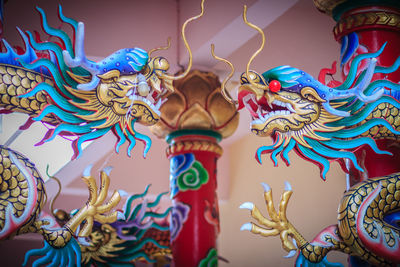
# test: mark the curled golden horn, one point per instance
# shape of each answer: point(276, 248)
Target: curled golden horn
point(264, 87)
point(165, 76)
point(224, 92)
point(162, 47)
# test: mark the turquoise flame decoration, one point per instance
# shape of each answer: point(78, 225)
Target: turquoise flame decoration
point(57, 62)
point(340, 144)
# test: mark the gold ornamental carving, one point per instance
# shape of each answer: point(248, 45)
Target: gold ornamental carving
point(197, 104)
point(360, 20)
point(327, 6)
point(193, 145)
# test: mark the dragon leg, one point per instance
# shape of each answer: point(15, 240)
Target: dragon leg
point(61, 242)
point(292, 240)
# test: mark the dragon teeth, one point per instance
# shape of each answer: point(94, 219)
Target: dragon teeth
point(289, 107)
point(265, 117)
point(158, 105)
point(283, 104)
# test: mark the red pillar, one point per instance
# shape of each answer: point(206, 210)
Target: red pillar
point(195, 218)
point(375, 23)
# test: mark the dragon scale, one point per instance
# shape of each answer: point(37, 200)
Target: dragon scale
point(16, 81)
point(15, 191)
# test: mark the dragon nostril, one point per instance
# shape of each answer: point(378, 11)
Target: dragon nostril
point(274, 86)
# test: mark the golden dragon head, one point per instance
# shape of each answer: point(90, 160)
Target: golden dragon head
point(89, 98)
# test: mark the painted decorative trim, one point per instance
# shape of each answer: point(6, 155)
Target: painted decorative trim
point(191, 146)
point(186, 174)
point(185, 132)
point(360, 21)
point(179, 215)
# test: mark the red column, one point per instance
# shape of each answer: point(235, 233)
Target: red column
point(193, 119)
point(195, 218)
point(375, 25)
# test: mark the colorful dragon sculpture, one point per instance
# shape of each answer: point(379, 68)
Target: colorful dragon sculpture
point(55, 83)
point(323, 123)
point(89, 236)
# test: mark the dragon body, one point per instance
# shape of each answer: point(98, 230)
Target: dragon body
point(301, 115)
point(55, 83)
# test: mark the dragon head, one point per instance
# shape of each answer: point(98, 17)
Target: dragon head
point(286, 105)
point(91, 98)
point(319, 122)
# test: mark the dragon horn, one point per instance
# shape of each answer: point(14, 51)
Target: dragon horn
point(264, 87)
point(168, 77)
point(80, 59)
point(224, 92)
point(161, 48)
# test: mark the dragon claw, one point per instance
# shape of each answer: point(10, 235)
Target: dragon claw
point(87, 170)
point(247, 205)
point(291, 254)
point(266, 187)
point(288, 187)
point(246, 226)
point(94, 208)
point(277, 224)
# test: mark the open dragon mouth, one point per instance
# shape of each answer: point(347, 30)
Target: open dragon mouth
point(153, 100)
point(283, 112)
point(263, 110)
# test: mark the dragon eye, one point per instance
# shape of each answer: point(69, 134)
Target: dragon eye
point(274, 86)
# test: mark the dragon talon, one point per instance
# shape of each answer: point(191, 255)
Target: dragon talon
point(291, 254)
point(266, 187)
point(121, 216)
point(108, 170)
point(123, 193)
point(288, 187)
point(247, 205)
point(246, 226)
point(87, 170)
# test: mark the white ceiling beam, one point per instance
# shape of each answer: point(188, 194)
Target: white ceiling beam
point(234, 35)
